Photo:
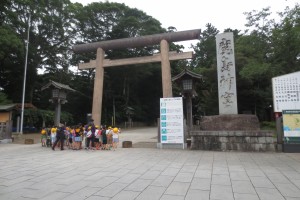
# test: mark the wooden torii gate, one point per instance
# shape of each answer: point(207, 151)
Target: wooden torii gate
point(164, 57)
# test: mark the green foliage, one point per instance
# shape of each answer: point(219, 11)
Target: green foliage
point(3, 99)
point(266, 125)
point(265, 50)
point(36, 118)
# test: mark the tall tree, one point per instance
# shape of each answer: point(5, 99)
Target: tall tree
point(206, 103)
point(50, 31)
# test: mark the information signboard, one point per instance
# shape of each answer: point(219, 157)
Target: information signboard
point(171, 120)
point(291, 123)
point(286, 92)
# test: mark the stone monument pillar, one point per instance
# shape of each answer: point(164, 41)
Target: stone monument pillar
point(226, 74)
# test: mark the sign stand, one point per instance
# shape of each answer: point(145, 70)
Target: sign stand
point(291, 130)
point(171, 122)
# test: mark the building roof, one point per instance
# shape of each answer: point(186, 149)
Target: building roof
point(26, 105)
point(16, 106)
point(7, 107)
point(58, 86)
point(186, 73)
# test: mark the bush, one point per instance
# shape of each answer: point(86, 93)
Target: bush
point(266, 125)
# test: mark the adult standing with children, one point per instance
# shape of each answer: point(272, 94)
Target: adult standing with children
point(104, 138)
point(60, 136)
point(90, 135)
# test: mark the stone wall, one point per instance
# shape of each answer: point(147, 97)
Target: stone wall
point(233, 140)
point(229, 122)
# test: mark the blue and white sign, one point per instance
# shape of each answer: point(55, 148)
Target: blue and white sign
point(171, 120)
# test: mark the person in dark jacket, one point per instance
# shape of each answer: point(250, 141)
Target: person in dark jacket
point(60, 136)
point(104, 138)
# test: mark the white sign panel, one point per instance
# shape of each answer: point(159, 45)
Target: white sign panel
point(286, 92)
point(171, 120)
point(226, 74)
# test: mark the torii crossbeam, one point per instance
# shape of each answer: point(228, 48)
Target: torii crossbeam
point(164, 57)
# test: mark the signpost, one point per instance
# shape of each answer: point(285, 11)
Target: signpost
point(286, 103)
point(291, 130)
point(171, 121)
point(286, 92)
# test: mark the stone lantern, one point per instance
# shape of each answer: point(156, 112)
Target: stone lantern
point(186, 80)
point(58, 97)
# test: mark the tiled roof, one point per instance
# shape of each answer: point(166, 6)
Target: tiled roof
point(7, 107)
point(57, 85)
point(187, 72)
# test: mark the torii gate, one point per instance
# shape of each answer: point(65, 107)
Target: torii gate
point(164, 57)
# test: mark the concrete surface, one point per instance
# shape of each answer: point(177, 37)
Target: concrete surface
point(35, 172)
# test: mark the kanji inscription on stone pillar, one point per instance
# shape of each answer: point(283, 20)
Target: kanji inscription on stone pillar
point(226, 74)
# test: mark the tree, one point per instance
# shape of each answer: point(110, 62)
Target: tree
point(285, 55)
point(206, 103)
point(50, 32)
point(269, 50)
point(3, 99)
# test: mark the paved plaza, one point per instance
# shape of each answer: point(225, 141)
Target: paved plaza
point(35, 172)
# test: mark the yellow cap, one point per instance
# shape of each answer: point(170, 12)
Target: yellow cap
point(115, 130)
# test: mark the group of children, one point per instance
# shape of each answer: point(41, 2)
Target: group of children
point(93, 137)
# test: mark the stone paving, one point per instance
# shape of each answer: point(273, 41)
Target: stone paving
point(35, 172)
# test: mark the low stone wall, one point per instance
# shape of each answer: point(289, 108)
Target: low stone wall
point(233, 140)
point(241, 122)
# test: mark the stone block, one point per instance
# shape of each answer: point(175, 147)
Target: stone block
point(253, 140)
point(223, 139)
point(259, 147)
point(247, 139)
point(232, 139)
point(271, 140)
point(223, 133)
point(224, 147)
point(29, 141)
point(262, 140)
point(126, 144)
point(231, 133)
point(234, 146)
point(246, 147)
point(271, 147)
point(239, 133)
point(279, 147)
point(240, 140)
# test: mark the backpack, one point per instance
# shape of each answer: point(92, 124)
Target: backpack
point(89, 134)
point(103, 133)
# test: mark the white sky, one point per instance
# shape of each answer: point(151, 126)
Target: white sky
point(195, 14)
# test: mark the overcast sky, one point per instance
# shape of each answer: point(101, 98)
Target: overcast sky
point(195, 14)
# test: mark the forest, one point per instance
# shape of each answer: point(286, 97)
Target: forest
point(266, 49)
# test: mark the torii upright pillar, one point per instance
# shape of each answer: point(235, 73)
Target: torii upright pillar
point(165, 69)
point(98, 87)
